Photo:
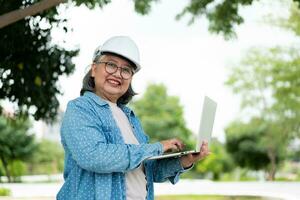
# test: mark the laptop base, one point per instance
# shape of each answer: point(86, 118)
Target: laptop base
point(172, 155)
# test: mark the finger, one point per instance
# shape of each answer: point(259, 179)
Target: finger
point(190, 157)
point(174, 147)
point(204, 142)
point(201, 155)
point(179, 144)
point(204, 149)
point(204, 146)
point(205, 153)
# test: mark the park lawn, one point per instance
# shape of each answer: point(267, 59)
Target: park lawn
point(206, 197)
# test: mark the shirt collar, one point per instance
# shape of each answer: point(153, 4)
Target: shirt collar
point(102, 102)
point(126, 110)
point(95, 98)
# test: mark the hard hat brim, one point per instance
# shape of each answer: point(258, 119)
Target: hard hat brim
point(135, 65)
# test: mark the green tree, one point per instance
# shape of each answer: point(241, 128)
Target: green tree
point(267, 79)
point(291, 23)
point(48, 158)
point(1, 171)
point(15, 142)
point(17, 168)
point(286, 67)
point(256, 145)
point(30, 64)
point(223, 16)
point(161, 115)
point(217, 163)
point(268, 82)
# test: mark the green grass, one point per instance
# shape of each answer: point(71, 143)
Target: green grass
point(208, 197)
point(4, 192)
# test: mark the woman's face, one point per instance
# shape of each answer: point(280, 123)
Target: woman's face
point(110, 86)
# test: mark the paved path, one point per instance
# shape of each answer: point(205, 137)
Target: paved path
point(282, 190)
point(30, 190)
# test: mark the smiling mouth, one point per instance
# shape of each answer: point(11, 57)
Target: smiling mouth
point(114, 82)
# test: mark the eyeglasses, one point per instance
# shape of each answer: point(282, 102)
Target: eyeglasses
point(110, 68)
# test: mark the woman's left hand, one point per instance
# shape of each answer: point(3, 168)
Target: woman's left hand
point(188, 160)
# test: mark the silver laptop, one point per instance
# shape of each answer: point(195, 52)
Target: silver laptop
point(206, 125)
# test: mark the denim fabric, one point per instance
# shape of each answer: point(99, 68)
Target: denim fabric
point(96, 157)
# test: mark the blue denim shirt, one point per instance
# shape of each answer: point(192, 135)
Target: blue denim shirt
point(96, 157)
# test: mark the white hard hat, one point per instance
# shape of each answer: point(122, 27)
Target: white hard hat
point(123, 46)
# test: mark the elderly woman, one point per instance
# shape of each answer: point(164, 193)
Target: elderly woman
point(106, 149)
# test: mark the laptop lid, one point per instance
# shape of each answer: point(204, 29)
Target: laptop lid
point(209, 108)
point(205, 129)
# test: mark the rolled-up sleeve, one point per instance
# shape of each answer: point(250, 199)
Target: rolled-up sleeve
point(84, 139)
point(166, 169)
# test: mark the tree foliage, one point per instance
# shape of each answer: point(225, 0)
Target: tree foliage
point(15, 142)
point(223, 16)
point(48, 158)
point(256, 145)
point(291, 23)
point(17, 168)
point(161, 115)
point(268, 81)
point(30, 64)
point(241, 142)
point(217, 163)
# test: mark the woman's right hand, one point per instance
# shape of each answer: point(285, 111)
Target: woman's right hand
point(172, 145)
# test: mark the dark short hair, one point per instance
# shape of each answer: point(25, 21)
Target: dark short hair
point(88, 84)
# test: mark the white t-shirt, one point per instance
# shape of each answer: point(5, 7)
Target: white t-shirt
point(135, 179)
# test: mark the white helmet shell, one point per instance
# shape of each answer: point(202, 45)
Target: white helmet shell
point(123, 46)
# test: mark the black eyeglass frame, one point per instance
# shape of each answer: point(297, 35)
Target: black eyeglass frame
point(116, 69)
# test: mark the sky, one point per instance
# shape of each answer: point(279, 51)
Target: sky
point(188, 60)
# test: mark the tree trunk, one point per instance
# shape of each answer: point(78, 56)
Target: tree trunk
point(16, 15)
point(272, 170)
point(5, 166)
